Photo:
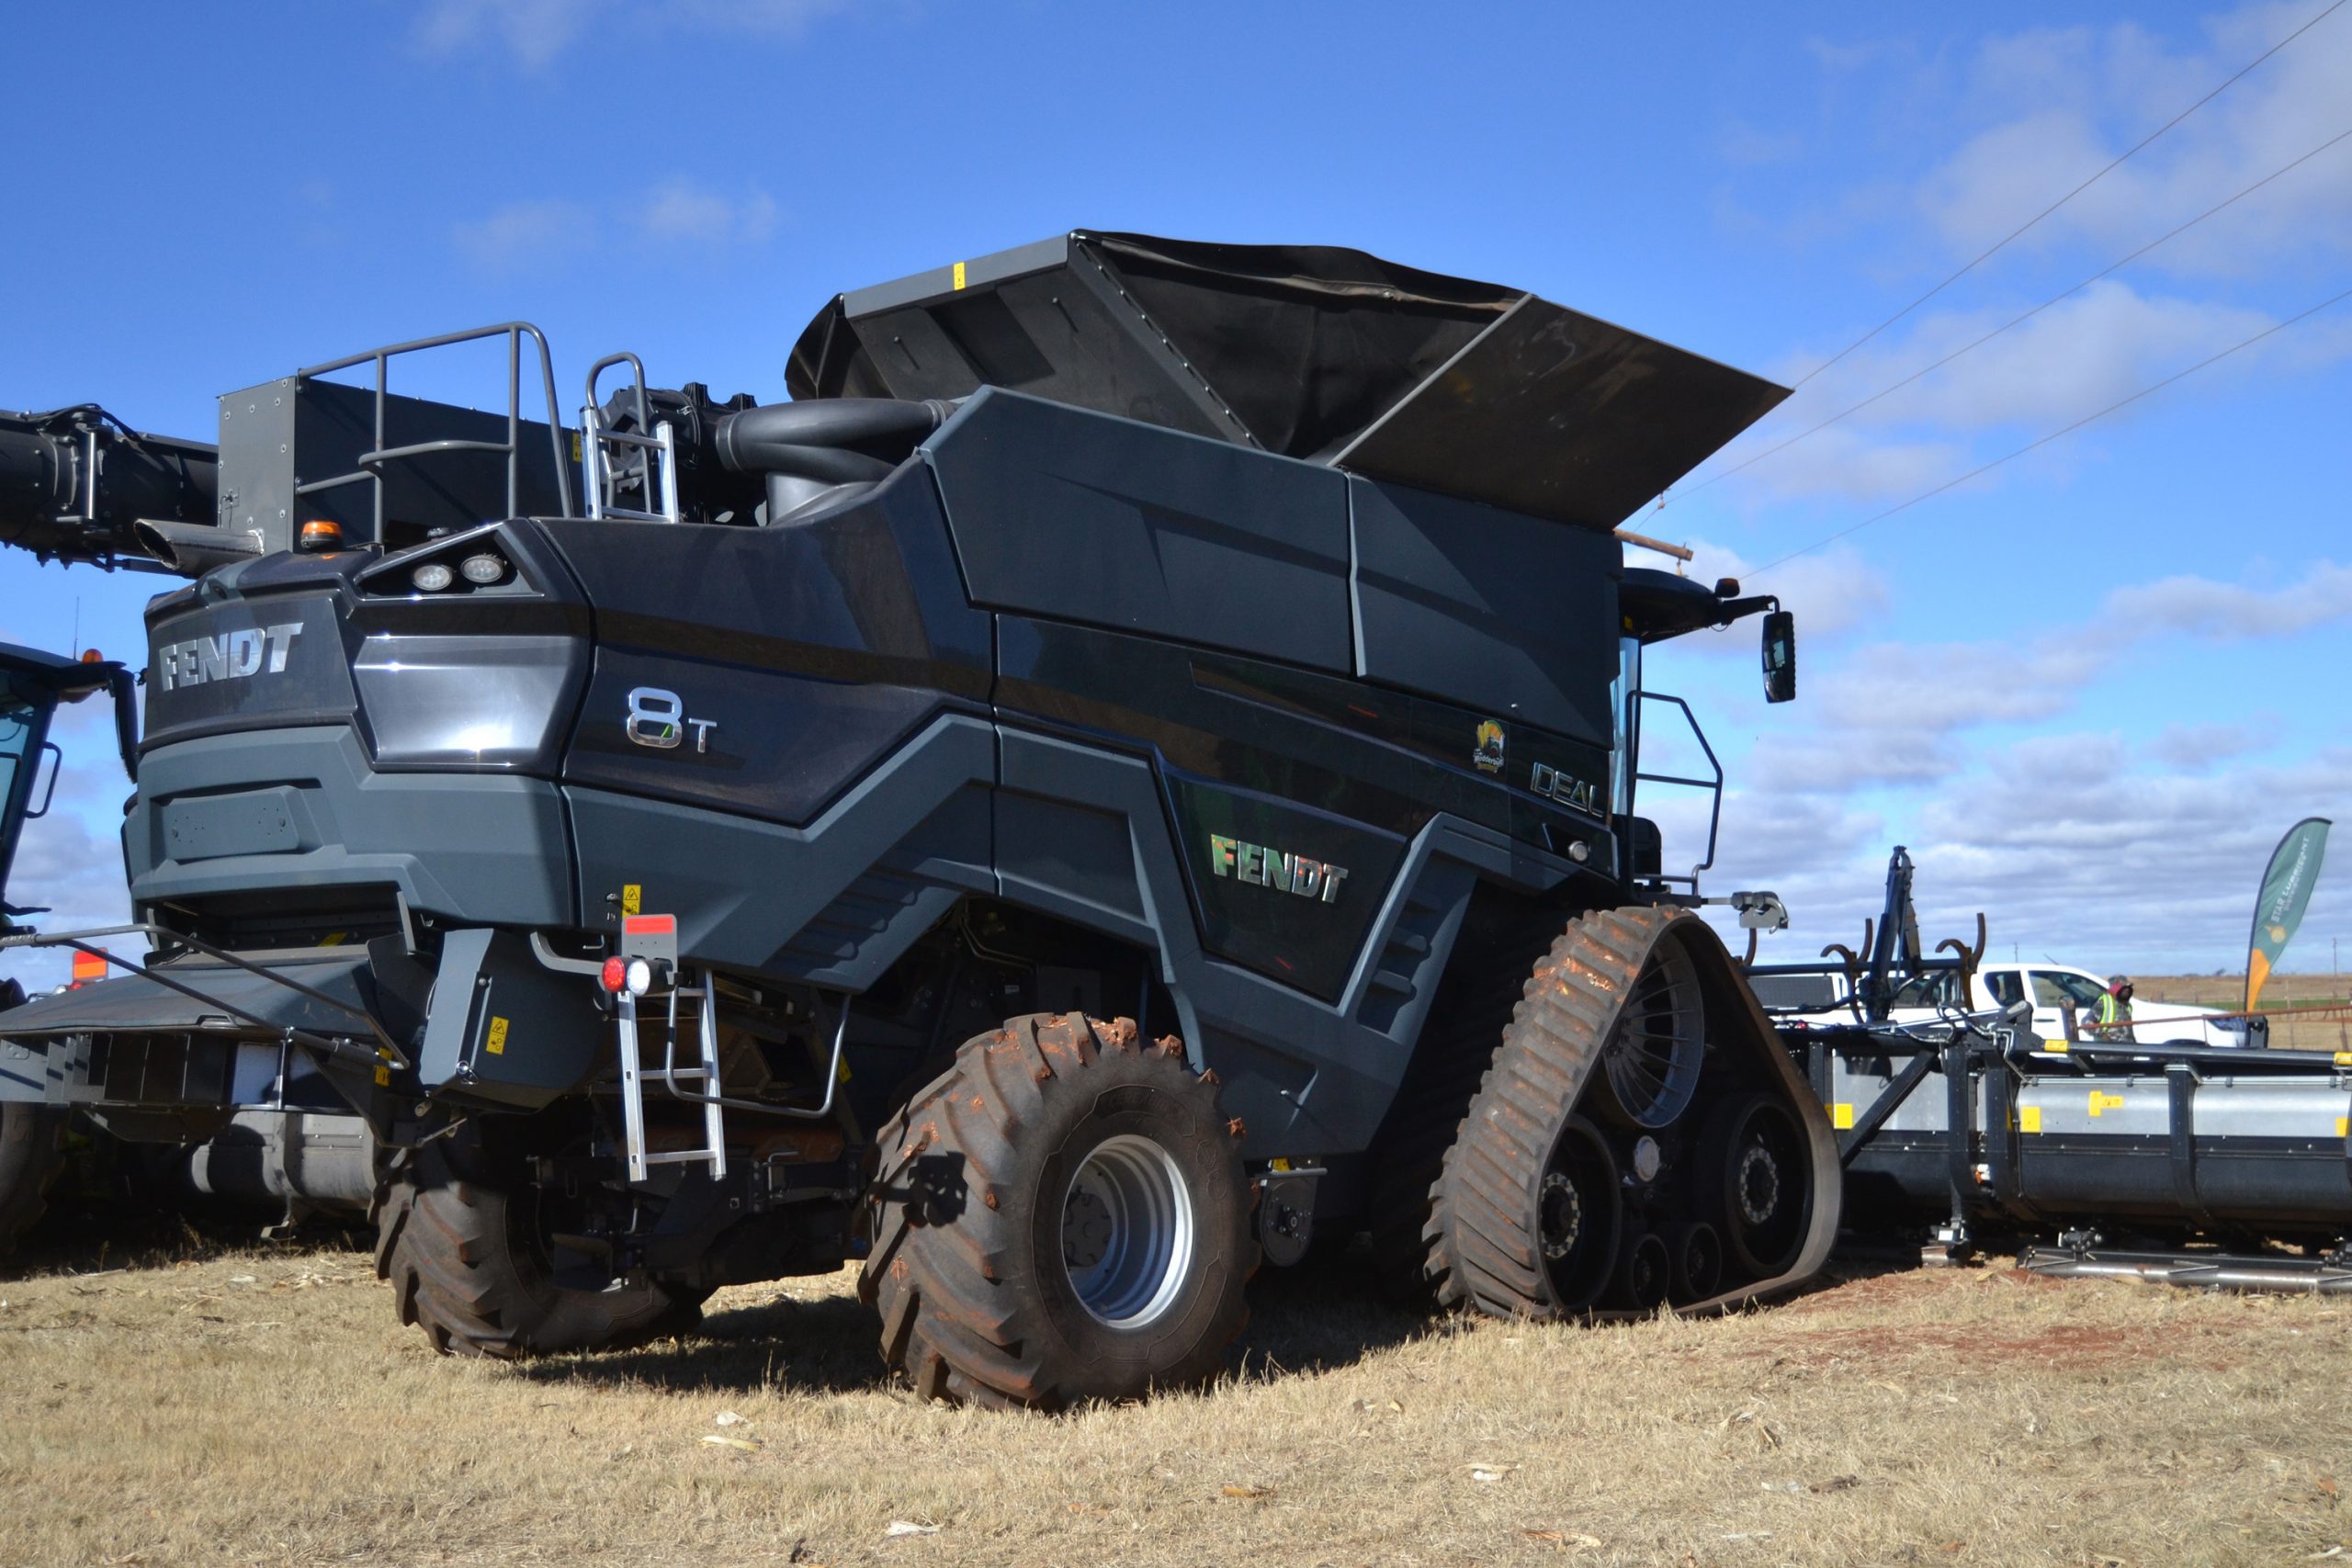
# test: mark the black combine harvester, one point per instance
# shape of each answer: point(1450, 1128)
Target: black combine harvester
point(1134, 766)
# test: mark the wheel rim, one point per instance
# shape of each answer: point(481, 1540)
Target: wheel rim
point(1652, 1056)
point(1576, 1208)
point(1698, 1261)
point(1127, 1232)
point(1641, 1284)
point(1764, 1188)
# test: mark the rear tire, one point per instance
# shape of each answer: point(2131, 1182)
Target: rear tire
point(1062, 1216)
point(32, 1152)
point(458, 1235)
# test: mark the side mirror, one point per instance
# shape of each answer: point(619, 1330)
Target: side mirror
point(1780, 656)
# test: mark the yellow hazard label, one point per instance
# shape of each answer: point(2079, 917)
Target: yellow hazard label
point(1841, 1116)
point(496, 1042)
point(575, 445)
point(2104, 1102)
point(383, 1078)
point(2344, 1126)
point(2030, 1118)
point(332, 939)
point(632, 898)
point(2056, 1047)
point(959, 275)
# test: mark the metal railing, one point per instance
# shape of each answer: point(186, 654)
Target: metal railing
point(1714, 786)
point(597, 474)
point(372, 463)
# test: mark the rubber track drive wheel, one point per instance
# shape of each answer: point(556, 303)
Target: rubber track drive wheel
point(1466, 1026)
point(32, 1151)
point(1490, 1237)
point(1060, 1216)
point(458, 1234)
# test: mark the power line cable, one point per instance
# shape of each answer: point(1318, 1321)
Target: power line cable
point(2014, 322)
point(2045, 440)
point(2037, 218)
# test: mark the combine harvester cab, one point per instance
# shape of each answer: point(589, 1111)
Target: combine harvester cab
point(1201, 680)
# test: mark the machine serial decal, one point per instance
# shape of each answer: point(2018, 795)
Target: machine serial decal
point(1271, 868)
point(1488, 754)
point(231, 656)
point(657, 718)
point(1553, 785)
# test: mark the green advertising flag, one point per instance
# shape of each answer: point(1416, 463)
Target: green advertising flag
point(2286, 893)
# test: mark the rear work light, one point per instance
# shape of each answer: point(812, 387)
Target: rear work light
point(432, 576)
point(483, 570)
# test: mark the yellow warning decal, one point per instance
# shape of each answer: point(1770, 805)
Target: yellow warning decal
point(383, 1078)
point(2344, 1126)
point(2101, 1102)
point(1278, 1165)
point(2030, 1118)
point(632, 898)
point(843, 1075)
point(959, 275)
point(1841, 1116)
point(2055, 1047)
point(497, 1043)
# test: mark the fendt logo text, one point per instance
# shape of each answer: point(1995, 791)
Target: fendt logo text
point(230, 656)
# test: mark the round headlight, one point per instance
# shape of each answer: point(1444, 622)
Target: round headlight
point(432, 576)
point(482, 570)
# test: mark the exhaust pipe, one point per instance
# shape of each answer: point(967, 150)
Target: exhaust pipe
point(192, 549)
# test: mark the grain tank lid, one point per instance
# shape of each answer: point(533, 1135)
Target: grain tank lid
point(1446, 384)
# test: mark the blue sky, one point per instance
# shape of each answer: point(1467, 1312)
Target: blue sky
point(2088, 689)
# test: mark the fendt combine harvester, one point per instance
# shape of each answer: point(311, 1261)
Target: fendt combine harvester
point(1132, 766)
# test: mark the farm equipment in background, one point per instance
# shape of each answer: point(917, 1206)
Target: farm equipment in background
point(308, 1156)
point(2217, 1165)
point(1201, 678)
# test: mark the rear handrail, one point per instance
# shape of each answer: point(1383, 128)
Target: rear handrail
point(1714, 786)
point(372, 463)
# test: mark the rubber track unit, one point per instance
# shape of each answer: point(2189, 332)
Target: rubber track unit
point(1484, 1251)
point(442, 1214)
point(32, 1152)
point(965, 1216)
point(1472, 1011)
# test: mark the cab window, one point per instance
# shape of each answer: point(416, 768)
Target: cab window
point(2053, 987)
point(2004, 986)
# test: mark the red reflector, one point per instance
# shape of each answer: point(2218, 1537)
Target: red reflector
point(89, 966)
point(650, 925)
point(614, 976)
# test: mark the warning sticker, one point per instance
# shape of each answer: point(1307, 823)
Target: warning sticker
point(496, 1044)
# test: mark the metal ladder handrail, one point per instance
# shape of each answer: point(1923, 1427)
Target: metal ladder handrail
point(640, 1160)
point(371, 463)
point(596, 475)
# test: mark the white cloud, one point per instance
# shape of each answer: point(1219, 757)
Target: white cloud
point(524, 232)
point(1831, 591)
point(535, 31)
point(2118, 83)
point(680, 212)
point(2086, 845)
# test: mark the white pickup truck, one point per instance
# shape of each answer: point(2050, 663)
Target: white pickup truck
point(2051, 987)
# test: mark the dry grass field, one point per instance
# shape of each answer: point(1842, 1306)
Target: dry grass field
point(261, 1407)
point(2317, 994)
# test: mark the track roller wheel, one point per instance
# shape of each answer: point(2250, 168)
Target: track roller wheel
point(1754, 1169)
point(1697, 1249)
point(459, 1234)
point(32, 1151)
point(1062, 1216)
point(1644, 1277)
